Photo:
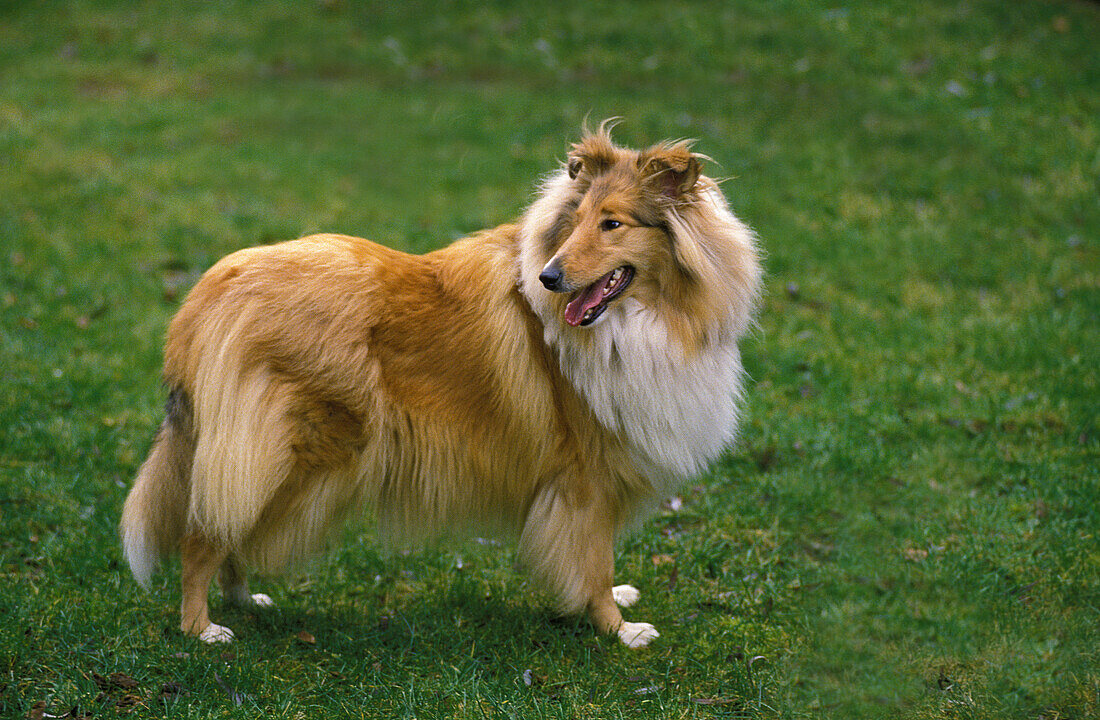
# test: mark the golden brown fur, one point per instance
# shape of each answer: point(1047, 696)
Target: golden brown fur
point(444, 391)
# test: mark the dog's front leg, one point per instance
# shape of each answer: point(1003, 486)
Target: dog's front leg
point(568, 543)
point(603, 612)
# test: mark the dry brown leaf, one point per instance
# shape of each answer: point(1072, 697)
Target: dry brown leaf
point(122, 680)
point(915, 554)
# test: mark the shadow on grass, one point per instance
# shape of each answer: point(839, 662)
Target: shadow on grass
point(454, 622)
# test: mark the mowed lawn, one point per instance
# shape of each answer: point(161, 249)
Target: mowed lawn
point(909, 526)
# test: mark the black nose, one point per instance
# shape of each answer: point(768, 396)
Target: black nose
point(550, 277)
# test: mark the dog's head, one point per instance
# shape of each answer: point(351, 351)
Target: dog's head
point(611, 239)
point(616, 223)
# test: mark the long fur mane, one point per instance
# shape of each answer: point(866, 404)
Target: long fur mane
point(686, 347)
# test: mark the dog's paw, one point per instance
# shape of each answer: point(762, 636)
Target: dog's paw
point(637, 635)
point(216, 634)
point(239, 597)
point(625, 595)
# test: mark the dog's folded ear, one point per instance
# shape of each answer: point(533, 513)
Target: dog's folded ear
point(595, 153)
point(672, 169)
point(575, 165)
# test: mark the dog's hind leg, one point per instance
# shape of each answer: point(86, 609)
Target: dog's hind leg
point(201, 559)
point(234, 585)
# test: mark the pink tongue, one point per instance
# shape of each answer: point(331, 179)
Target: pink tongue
point(589, 298)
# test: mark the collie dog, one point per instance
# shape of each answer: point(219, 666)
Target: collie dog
point(550, 380)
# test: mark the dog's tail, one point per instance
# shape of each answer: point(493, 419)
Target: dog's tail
point(155, 514)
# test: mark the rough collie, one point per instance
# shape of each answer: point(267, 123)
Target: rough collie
point(549, 380)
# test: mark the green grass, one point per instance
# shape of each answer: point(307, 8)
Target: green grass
point(910, 525)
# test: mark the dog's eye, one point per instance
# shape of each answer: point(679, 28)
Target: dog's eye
point(609, 225)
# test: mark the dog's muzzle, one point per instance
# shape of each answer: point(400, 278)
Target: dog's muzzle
point(551, 277)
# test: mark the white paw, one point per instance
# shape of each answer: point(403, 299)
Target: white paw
point(260, 600)
point(214, 634)
point(625, 595)
point(241, 598)
point(637, 635)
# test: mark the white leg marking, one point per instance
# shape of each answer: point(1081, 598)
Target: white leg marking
point(625, 595)
point(214, 634)
point(259, 600)
point(637, 635)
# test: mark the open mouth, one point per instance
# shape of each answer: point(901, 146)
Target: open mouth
point(589, 304)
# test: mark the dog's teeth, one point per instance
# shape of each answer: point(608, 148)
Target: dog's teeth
point(614, 280)
point(588, 315)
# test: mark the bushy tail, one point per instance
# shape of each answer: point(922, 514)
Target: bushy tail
point(155, 514)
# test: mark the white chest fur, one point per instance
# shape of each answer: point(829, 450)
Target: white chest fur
point(676, 413)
